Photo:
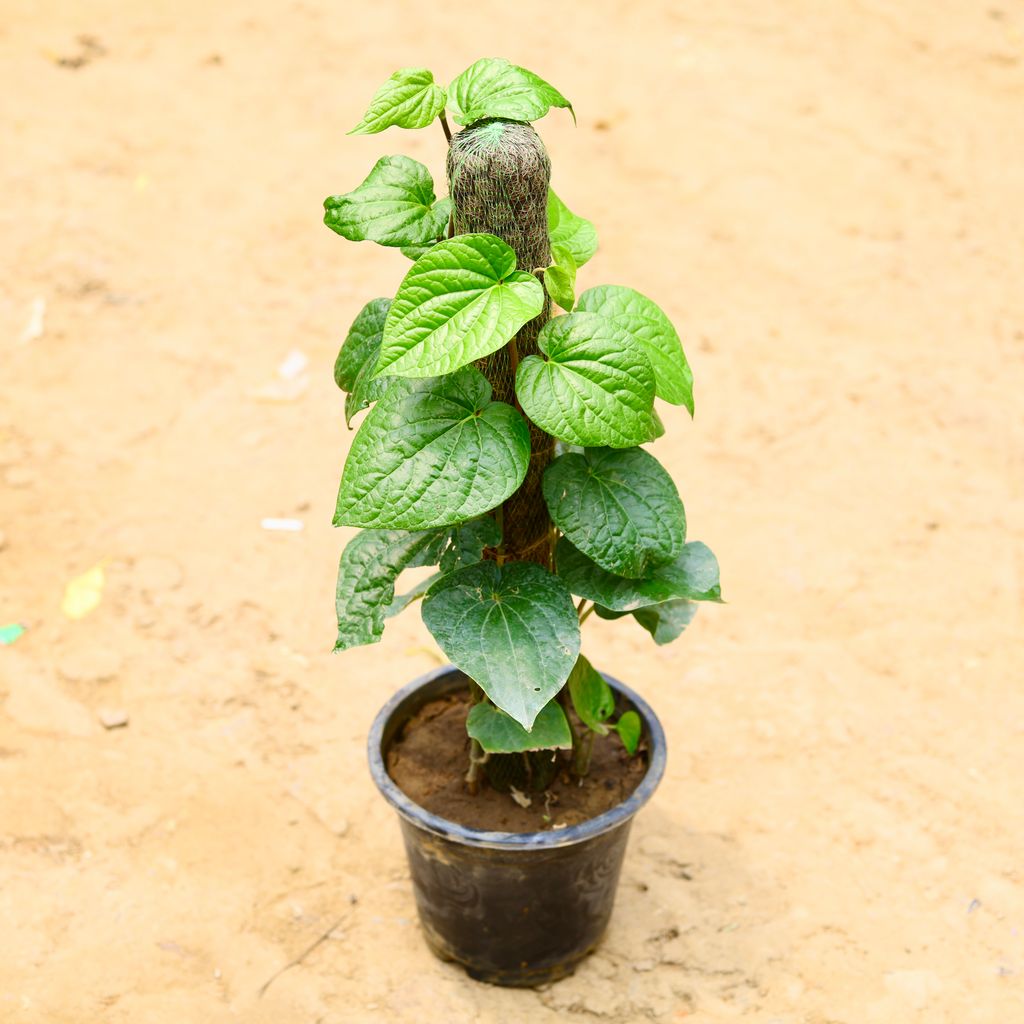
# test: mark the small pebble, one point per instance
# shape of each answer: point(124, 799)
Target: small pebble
point(112, 718)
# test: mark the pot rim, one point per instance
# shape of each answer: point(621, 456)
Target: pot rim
point(547, 840)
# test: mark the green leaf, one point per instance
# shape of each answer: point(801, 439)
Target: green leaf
point(665, 622)
point(394, 206)
point(617, 506)
point(465, 546)
point(498, 733)
point(643, 320)
point(432, 453)
point(513, 629)
point(591, 696)
point(414, 252)
point(628, 728)
point(560, 277)
point(492, 87)
point(366, 390)
point(460, 301)
point(467, 543)
point(408, 99)
point(361, 344)
point(370, 564)
point(576, 234)
point(595, 388)
point(693, 575)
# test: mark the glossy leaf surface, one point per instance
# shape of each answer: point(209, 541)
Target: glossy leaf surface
point(498, 733)
point(644, 321)
point(577, 234)
point(394, 206)
point(408, 99)
point(693, 575)
point(493, 87)
point(595, 388)
point(370, 564)
point(618, 506)
point(513, 629)
point(432, 453)
point(460, 301)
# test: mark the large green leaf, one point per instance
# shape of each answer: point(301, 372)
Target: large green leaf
point(665, 622)
point(370, 564)
point(513, 629)
point(595, 388)
point(618, 506)
point(394, 206)
point(645, 321)
point(498, 733)
point(432, 453)
point(577, 234)
point(408, 99)
point(693, 575)
point(460, 301)
point(492, 87)
point(591, 696)
point(361, 344)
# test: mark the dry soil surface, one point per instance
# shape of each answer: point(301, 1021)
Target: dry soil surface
point(827, 198)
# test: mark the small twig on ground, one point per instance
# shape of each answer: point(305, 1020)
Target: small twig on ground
point(302, 956)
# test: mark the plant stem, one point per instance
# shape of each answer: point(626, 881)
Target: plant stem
point(582, 753)
point(583, 614)
point(477, 757)
point(447, 129)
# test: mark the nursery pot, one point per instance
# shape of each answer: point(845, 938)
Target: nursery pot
point(513, 908)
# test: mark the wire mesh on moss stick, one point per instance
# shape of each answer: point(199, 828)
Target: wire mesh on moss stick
point(498, 175)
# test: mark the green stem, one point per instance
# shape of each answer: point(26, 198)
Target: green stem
point(581, 754)
point(447, 129)
point(583, 614)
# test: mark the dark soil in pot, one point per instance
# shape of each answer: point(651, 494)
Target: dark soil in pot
point(428, 763)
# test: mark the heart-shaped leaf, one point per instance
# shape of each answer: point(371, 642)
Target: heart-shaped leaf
point(560, 277)
point(618, 506)
point(643, 320)
point(408, 99)
point(394, 206)
point(492, 87)
point(361, 343)
point(513, 629)
point(577, 234)
point(591, 696)
point(693, 575)
point(431, 453)
point(370, 564)
point(595, 388)
point(460, 301)
point(498, 733)
point(665, 622)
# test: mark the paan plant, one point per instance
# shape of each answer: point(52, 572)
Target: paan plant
point(504, 444)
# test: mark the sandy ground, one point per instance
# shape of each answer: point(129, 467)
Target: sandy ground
point(826, 197)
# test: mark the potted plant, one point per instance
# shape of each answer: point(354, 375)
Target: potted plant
point(503, 445)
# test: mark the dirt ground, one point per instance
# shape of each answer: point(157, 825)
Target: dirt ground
point(827, 198)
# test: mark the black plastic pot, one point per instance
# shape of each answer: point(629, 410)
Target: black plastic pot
point(514, 908)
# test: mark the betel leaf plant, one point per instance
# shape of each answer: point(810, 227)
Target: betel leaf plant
point(504, 442)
